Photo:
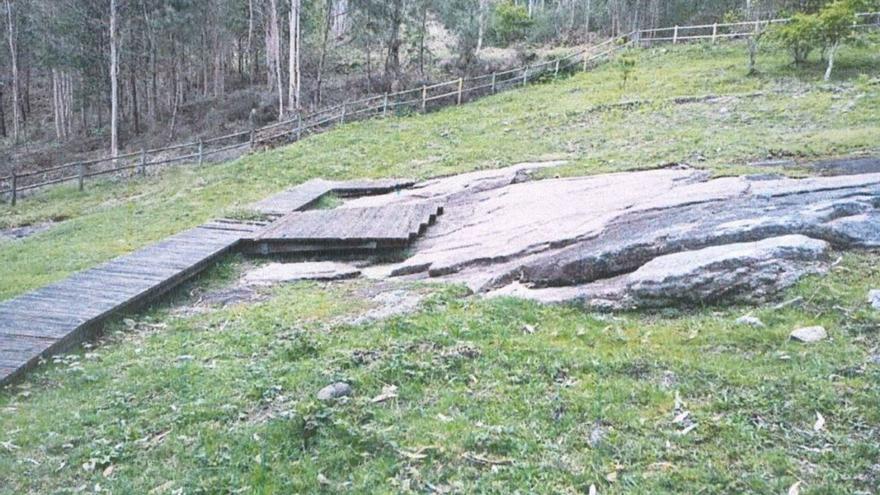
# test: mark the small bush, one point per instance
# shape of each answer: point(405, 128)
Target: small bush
point(800, 36)
point(510, 23)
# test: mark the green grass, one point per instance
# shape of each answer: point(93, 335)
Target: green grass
point(798, 116)
point(223, 399)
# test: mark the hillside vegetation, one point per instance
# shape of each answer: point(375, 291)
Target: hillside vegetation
point(492, 396)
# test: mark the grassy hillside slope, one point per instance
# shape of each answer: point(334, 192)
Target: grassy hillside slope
point(499, 396)
point(783, 112)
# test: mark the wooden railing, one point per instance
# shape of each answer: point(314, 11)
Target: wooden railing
point(419, 99)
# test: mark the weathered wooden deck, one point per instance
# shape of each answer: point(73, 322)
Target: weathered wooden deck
point(61, 315)
point(382, 227)
point(308, 193)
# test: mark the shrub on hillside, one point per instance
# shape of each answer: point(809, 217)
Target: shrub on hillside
point(799, 36)
point(510, 23)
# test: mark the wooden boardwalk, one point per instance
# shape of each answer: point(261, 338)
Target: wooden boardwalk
point(56, 317)
point(300, 197)
point(64, 314)
point(381, 227)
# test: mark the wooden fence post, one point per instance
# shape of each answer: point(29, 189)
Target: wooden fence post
point(342, 116)
point(525, 75)
point(675, 35)
point(556, 70)
point(81, 176)
point(299, 126)
point(493, 83)
point(585, 60)
point(253, 139)
point(460, 88)
point(14, 186)
point(201, 151)
point(385, 105)
point(424, 97)
point(757, 26)
point(714, 32)
point(143, 166)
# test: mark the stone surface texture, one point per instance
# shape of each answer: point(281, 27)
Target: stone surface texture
point(290, 272)
point(335, 391)
point(874, 298)
point(634, 239)
point(809, 335)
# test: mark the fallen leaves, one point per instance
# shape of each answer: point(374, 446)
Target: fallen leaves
point(388, 392)
point(418, 454)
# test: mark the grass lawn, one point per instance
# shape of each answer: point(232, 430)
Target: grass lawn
point(498, 396)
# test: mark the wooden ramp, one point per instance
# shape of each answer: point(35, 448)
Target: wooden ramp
point(300, 197)
point(56, 317)
point(383, 227)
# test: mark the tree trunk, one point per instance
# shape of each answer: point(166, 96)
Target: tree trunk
point(13, 56)
point(323, 58)
point(294, 82)
point(251, 48)
point(114, 84)
point(273, 56)
point(589, 13)
point(831, 53)
point(2, 114)
point(423, 35)
point(392, 60)
point(481, 24)
point(135, 114)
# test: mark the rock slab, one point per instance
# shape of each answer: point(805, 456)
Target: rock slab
point(809, 335)
point(291, 272)
point(734, 272)
point(335, 391)
point(655, 237)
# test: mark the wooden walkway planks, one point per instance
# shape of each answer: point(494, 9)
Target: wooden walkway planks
point(308, 193)
point(56, 317)
point(390, 226)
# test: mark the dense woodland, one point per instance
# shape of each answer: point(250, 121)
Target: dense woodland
point(105, 73)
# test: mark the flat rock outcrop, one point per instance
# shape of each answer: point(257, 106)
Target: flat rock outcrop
point(721, 239)
point(290, 272)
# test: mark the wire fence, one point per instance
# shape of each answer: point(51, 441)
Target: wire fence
point(419, 99)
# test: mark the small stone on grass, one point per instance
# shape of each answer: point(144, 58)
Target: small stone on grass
point(751, 321)
point(874, 298)
point(809, 334)
point(335, 391)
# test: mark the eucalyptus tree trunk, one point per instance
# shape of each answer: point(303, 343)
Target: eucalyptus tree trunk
point(831, 53)
point(481, 23)
point(392, 60)
point(328, 22)
point(274, 46)
point(294, 80)
point(114, 83)
point(13, 55)
point(589, 14)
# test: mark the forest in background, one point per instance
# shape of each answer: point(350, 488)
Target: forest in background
point(98, 76)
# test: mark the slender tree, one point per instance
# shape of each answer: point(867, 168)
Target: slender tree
point(294, 79)
point(13, 61)
point(114, 82)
